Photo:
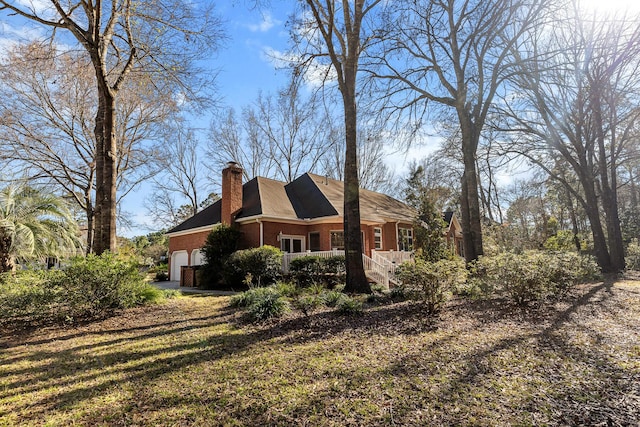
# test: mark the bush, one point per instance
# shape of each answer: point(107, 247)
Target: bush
point(307, 303)
point(431, 282)
point(348, 306)
point(30, 296)
point(89, 287)
point(220, 244)
point(331, 298)
point(162, 276)
point(309, 270)
point(633, 255)
point(263, 264)
point(533, 275)
point(261, 303)
point(97, 285)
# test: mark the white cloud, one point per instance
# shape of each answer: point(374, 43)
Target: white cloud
point(316, 74)
point(267, 23)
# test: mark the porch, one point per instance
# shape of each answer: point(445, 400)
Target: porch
point(380, 268)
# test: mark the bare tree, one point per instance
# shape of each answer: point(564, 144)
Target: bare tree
point(48, 120)
point(239, 140)
point(121, 38)
point(580, 103)
point(334, 35)
point(373, 172)
point(451, 57)
point(277, 137)
point(180, 176)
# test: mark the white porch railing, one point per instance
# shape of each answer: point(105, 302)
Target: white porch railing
point(396, 257)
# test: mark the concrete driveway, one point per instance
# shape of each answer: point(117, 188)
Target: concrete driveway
point(176, 286)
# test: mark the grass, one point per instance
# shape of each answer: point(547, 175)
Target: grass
point(195, 361)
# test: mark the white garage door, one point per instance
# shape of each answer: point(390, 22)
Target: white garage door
point(178, 259)
point(197, 257)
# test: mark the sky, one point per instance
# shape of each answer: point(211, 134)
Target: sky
point(247, 64)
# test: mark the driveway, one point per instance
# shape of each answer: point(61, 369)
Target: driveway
point(176, 286)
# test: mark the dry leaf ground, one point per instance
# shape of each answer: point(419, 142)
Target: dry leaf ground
point(194, 361)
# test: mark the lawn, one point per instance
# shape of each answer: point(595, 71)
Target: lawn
point(194, 361)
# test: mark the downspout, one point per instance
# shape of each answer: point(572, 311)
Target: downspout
point(397, 237)
point(261, 232)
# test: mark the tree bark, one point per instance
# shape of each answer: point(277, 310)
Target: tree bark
point(5, 257)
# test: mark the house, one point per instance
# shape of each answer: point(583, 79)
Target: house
point(453, 233)
point(303, 215)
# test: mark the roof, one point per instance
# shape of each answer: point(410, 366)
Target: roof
point(309, 196)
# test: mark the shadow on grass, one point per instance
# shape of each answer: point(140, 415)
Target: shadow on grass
point(39, 379)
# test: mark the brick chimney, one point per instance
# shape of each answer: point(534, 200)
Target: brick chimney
point(231, 192)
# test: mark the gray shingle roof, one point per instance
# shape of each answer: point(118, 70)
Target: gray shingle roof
point(309, 196)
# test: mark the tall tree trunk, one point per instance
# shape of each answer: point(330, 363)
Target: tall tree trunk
point(470, 199)
point(5, 246)
point(600, 249)
point(356, 280)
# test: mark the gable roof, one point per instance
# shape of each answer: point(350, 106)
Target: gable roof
point(309, 196)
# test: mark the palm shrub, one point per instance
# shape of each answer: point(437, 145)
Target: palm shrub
point(431, 282)
point(34, 225)
point(262, 303)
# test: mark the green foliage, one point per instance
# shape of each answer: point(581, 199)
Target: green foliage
point(262, 303)
point(307, 303)
point(563, 240)
point(431, 282)
point(34, 224)
point(534, 275)
point(331, 298)
point(90, 287)
point(310, 270)
point(220, 244)
point(633, 255)
point(263, 264)
point(31, 296)
point(348, 306)
point(100, 284)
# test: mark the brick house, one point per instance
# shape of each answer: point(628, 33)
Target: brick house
point(303, 215)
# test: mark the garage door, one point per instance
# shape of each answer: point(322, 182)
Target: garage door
point(178, 259)
point(197, 257)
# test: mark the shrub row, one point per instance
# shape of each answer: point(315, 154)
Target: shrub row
point(531, 276)
point(276, 300)
point(90, 287)
point(310, 270)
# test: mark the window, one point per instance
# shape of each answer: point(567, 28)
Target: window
point(405, 239)
point(377, 238)
point(292, 244)
point(314, 241)
point(337, 240)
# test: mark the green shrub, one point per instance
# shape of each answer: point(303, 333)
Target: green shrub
point(261, 303)
point(431, 282)
point(633, 255)
point(89, 287)
point(220, 244)
point(286, 289)
point(309, 270)
point(398, 292)
point(97, 285)
point(348, 306)
point(30, 296)
point(307, 303)
point(331, 298)
point(264, 264)
point(534, 275)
